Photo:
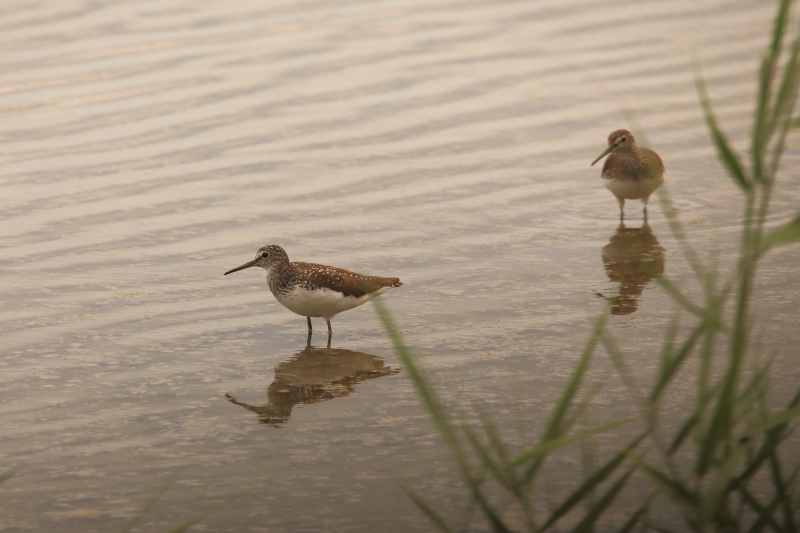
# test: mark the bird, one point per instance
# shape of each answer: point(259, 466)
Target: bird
point(313, 290)
point(630, 172)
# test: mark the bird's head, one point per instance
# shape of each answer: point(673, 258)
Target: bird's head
point(266, 257)
point(620, 141)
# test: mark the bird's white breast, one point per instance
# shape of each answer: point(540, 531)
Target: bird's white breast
point(322, 302)
point(632, 190)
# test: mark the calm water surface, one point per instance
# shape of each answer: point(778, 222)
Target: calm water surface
point(147, 147)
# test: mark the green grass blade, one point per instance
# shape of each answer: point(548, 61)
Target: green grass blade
point(439, 415)
point(764, 513)
point(678, 492)
point(428, 511)
point(512, 482)
point(559, 422)
point(764, 122)
point(554, 427)
point(580, 406)
point(767, 452)
point(496, 441)
point(587, 524)
point(760, 136)
point(783, 417)
point(622, 368)
point(8, 475)
point(537, 452)
point(684, 432)
point(761, 124)
point(784, 107)
point(427, 394)
point(684, 301)
point(491, 515)
point(591, 482)
point(791, 491)
point(488, 462)
point(670, 338)
point(754, 394)
point(748, 404)
point(576, 411)
point(724, 151)
point(678, 231)
point(772, 440)
point(715, 496)
point(671, 366)
point(787, 90)
point(785, 234)
point(530, 473)
point(721, 428)
point(782, 493)
point(779, 29)
point(635, 518)
point(784, 99)
point(718, 431)
point(588, 467)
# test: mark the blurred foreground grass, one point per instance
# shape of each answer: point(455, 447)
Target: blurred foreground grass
point(722, 466)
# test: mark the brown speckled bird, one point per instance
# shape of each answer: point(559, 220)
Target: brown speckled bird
point(630, 172)
point(313, 290)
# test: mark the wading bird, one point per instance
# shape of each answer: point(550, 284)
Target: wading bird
point(313, 290)
point(630, 172)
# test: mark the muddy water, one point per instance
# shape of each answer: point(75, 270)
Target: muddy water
point(148, 147)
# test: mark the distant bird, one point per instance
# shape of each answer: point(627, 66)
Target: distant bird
point(313, 290)
point(630, 172)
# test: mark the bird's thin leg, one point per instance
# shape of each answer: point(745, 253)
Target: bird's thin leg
point(309, 323)
point(330, 331)
point(645, 207)
point(329, 340)
point(308, 339)
point(621, 208)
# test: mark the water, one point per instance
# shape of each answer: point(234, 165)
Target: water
point(148, 147)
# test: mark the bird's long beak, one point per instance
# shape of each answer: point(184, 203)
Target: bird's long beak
point(246, 265)
point(605, 153)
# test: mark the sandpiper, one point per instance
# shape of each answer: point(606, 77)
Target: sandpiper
point(630, 172)
point(313, 290)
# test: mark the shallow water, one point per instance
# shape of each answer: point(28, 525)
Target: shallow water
point(148, 147)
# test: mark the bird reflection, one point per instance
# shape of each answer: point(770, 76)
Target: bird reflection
point(315, 375)
point(632, 257)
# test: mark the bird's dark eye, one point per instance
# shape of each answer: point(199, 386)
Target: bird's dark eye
point(264, 254)
point(623, 140)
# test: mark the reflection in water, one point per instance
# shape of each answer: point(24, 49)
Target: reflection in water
point(315, 375)
point(632, 257)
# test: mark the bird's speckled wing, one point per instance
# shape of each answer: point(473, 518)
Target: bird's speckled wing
point(653, 162)
point(341, 280)
point(618, 168)
point(611, 167)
